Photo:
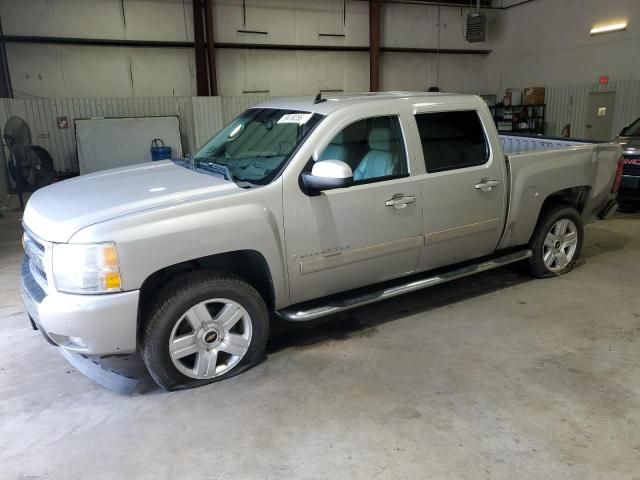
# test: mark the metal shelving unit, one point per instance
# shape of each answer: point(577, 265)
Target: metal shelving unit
point(519, 118)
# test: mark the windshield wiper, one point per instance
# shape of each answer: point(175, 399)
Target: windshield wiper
point(216, 168)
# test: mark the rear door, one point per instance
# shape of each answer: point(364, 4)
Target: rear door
point(465, 186)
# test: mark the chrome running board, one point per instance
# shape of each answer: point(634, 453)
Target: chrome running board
point(297, 313)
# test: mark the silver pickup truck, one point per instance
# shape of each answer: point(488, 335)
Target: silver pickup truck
point(299, 208)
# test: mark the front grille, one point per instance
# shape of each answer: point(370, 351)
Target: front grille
point(29, 284)
point(631, 165)
point(34, 250)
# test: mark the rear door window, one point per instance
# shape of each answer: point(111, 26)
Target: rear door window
point(452, 140)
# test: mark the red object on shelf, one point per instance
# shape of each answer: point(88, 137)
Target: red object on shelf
point(604, 79)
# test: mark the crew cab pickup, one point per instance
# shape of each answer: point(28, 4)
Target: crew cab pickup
point(299, 208)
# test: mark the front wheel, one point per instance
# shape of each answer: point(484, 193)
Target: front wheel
point(202, 329)
point(556, 243)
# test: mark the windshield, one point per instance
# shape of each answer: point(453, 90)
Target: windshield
point(257, 144)
point(633, 130)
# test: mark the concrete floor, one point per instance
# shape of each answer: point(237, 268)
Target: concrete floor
point(497, 376)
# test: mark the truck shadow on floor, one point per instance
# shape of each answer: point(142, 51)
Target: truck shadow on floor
point(364, 320)
point(600, 240)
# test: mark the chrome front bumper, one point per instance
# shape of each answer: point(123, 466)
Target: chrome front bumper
point(87, 324)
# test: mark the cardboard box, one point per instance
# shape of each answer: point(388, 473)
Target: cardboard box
point(533, 96)
point(512, 96)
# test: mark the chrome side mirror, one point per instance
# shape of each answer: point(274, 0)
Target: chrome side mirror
point(327, 175)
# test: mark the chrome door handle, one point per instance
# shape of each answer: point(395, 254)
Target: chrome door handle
point(487, 185)
point(400, 200)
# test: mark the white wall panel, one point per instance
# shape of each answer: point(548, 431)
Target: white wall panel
point(547, 43)
point(292, 21)
point(167, 20)
point(87, 71)
point(170, 20)
point(86, 18)
point(463, 74)
point(283, 73)
point(27, 17)
point(159, 72)
point(36, 70)
point(277, 17)
point(416, 26)
point(569, 104)
point(452, 73)
point(95, 71)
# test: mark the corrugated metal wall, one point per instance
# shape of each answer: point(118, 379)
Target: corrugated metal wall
point(234, 106)
point(207, 119)
point(200, 118)
point(570, 103)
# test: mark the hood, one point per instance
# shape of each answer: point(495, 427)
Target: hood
point(56, 212)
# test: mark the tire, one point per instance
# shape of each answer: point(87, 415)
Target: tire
point(563, 249)
point(217, 326)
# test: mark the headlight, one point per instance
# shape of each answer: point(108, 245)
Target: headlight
point(86, 268)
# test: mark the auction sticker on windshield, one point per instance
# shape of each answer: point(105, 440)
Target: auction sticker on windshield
point(299, 118)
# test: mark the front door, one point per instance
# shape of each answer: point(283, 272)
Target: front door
point(600, 116)
point(464, 189)
point(360, 235)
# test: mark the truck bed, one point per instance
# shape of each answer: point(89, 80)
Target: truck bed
point(541, 166)
point(515, 143)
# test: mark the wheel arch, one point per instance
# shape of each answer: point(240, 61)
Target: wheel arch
point(575, 197)
point(531, 208)
point(248, 265)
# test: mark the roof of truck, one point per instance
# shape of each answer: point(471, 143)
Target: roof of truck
point(335, 102)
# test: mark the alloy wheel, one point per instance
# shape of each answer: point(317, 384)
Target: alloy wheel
point(210, 338)
point(560, 245)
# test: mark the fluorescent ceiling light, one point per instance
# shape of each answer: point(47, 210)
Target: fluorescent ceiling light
point(613, 27)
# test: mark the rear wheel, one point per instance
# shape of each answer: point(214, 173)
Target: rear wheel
point(556, 243)
point(204, 328)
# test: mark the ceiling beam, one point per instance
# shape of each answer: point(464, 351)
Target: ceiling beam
point(223, 45)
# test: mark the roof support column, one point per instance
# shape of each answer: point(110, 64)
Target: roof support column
point(374, 45)
point(211, 50)
point(202, 86)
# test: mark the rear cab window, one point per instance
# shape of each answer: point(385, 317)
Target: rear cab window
point(452, 140)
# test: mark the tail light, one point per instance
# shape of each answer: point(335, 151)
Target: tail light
point(618, 180)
